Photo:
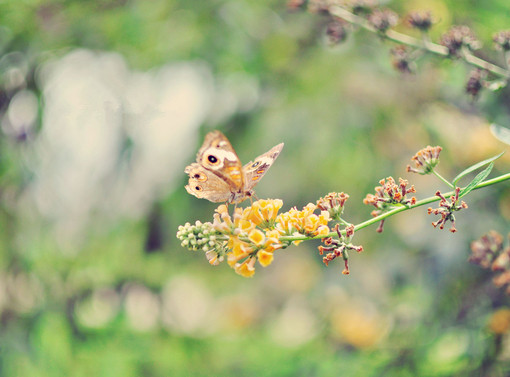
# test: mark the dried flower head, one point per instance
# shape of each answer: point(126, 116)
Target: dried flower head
point(383, 19)
point(502, 40)
point(446, 209)
point(390, 194)
point(475, 82)
point(421, 20)
point(425, 160)
point(502, 280)
point(401, 59)
point(336, 31)
point(485, 249)
point(339, 248)
point(459, 37)
point(488, 252)
point(502, 261)
point(333, 203)
point(361, 7)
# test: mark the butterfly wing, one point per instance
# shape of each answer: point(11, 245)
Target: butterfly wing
point(218, 156)
point(255, 170)
point(206, 185)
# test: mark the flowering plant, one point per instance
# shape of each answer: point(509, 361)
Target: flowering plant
point(255, 233)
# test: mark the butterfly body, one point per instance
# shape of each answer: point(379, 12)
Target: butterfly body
point(218, 174)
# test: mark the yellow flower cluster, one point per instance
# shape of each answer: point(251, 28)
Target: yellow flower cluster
point(254, 233)
point(304, 222)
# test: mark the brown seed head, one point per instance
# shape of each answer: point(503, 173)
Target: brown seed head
point(421, 20)
point(383, 19)
point(458, 37)
point(502, 40)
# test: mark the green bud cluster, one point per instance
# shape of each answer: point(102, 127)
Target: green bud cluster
point(198, 237)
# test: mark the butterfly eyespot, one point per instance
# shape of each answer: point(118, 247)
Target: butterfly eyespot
point(255, 164)
point(198, 188)
point(201, 177)
point(212, 159)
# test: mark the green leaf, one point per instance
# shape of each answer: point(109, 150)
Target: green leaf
point(475, 167)
point(478, 179)
point(496, 85)
point(501, 133)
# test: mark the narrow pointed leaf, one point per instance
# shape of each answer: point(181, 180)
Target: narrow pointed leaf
point(497, 85)
point(501, 133)
point(478, 179)
point(475, 167)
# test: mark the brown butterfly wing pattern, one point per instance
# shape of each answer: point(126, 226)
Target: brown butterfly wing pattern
point(206, 185)
point(218, 156)
point(255, 170)
point(218, 175)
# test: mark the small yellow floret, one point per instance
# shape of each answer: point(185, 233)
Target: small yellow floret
point(257, 237)
point(246, 269)
point(311, 223)
point(265, 258)
point(323, 230)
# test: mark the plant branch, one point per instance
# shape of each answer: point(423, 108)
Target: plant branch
point(423, 44)
point(397, 210)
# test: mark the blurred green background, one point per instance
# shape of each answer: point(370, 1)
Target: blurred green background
point(103, 103)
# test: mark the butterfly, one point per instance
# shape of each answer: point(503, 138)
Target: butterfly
point(218, 174)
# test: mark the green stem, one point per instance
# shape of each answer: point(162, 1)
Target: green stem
point(493, 181)
point(442, 178)
point(394, 211)
point(405, 39)
point(343, 222)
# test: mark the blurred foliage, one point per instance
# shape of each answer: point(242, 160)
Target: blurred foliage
point(120, 297)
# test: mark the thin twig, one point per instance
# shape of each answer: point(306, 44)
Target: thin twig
point(422, 44)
